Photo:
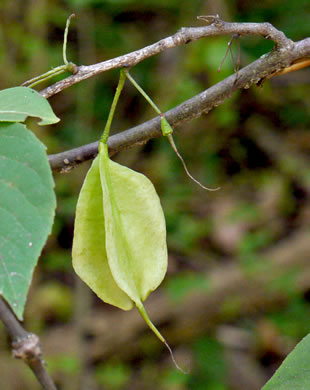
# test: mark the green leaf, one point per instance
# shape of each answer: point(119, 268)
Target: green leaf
point(294, 372)
point(27, 207)
point(17, 103)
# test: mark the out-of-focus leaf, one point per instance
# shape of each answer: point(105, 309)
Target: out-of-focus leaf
point(113, 375)
point(179, 286)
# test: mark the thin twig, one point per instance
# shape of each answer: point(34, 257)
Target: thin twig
point(266, 65)
point(184, 36)
point(284, 54)
point(26, 346)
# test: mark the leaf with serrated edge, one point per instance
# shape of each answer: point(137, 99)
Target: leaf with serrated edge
point(27, 207)
point(17, 103)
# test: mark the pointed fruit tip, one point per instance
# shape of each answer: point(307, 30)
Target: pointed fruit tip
point(146, 318)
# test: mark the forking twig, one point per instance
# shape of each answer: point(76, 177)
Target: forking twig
point(229, 49)
point(67, 67)
point(282, 56)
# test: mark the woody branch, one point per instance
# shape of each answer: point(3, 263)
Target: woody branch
point(281, 57)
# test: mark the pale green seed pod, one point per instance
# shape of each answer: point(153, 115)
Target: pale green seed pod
point(119, 246)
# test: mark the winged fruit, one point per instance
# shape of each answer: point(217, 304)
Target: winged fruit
point(119, 246)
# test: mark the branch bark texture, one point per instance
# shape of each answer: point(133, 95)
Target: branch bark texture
point(188, 110)
point(26, 346)
point(284, 53)
point(184, 36)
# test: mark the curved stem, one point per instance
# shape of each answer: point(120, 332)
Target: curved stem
point(121, 82)
point(170, 138)
point(64, 48)
point(153, 328)
point(68, 66)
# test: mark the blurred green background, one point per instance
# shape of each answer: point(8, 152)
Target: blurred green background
point(236, 297)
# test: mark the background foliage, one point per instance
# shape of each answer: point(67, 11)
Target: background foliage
point(236, 298)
